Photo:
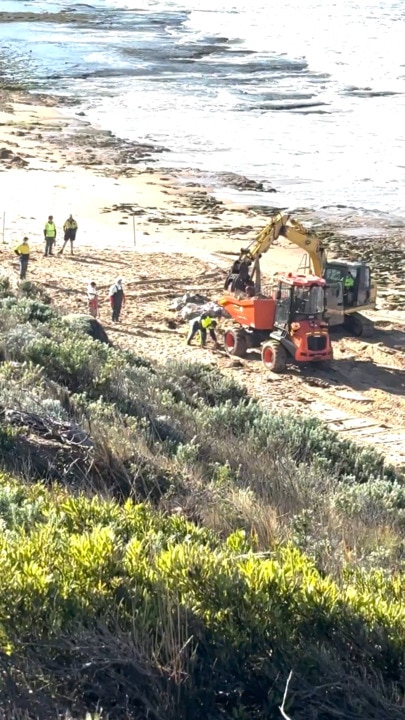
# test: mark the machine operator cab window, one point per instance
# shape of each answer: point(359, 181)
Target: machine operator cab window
point(346, 278)
point(334, 275)
point(283, 306)
point(355, 281)
point(297, 302)
point(308, 301)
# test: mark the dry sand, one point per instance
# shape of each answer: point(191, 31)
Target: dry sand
point(182, 237)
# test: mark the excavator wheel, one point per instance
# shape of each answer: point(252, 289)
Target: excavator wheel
point(235, 342)
point(274, 356)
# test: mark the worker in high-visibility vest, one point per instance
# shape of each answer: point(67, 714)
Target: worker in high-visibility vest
point(70, 230)
point(349, 282)
point(348, 289)
point(23, 252)
point(50, 236)
point(203, 324)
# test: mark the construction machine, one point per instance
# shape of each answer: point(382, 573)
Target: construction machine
point(288, 323)
point(349, 285)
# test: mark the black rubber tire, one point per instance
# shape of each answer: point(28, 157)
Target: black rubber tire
point(235, 342)
point(274, 356)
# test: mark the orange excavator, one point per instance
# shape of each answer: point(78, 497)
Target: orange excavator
point(289, 322)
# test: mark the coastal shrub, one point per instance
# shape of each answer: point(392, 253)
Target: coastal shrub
point(198, 381)
point(78, 363)
point(16, 340)
point(28, 289)
point(209, 625)
point(381, 500)
point(5, 287)
point(306, 439)
point(28, 310)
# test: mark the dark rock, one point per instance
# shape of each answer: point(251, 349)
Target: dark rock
point(88, 325)
point(240, 182)
point(17, 160)
point(5, 153)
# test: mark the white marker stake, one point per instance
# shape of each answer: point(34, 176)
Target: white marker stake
point(4, 226)
point(134, 229)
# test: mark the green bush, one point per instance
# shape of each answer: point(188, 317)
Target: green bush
point(382, 500)
point(28, 289)
point(77, 363)
point(80, 567)
point(28, 310)
point(5, 287)
point(295, 559)
point(191, 381)
point(306, 439)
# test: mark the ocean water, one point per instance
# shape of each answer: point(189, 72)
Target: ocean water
point(306, 94)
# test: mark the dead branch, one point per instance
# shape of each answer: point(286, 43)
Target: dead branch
point(46, 427)
point(282, 706)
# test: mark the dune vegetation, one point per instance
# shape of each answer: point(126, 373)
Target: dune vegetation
point(170, 549)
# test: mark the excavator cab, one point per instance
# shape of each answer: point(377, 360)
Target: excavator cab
point(350, 289)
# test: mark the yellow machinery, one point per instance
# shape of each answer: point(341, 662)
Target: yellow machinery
point(350, 288)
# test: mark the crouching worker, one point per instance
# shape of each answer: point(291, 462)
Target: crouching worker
point(201, 325)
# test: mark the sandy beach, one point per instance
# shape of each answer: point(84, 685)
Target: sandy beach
point(165, 233)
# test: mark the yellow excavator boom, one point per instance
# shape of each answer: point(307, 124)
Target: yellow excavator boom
point(292, 230)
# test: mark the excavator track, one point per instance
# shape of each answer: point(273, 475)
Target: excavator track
point(359, 325)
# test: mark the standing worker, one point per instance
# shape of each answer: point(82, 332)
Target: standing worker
point(201, 325)
point(70, 230)
point(117, 299)
point(23, 252)
point(92, 297)
point(50, 236)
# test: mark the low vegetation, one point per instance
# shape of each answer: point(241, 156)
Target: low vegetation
point(171, 550)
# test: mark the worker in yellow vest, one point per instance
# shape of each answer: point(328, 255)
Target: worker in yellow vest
point(50, 236)
point(70, 230)
point(23, 252)
point(203, 324)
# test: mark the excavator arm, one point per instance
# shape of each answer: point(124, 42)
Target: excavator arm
point(292, 230)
